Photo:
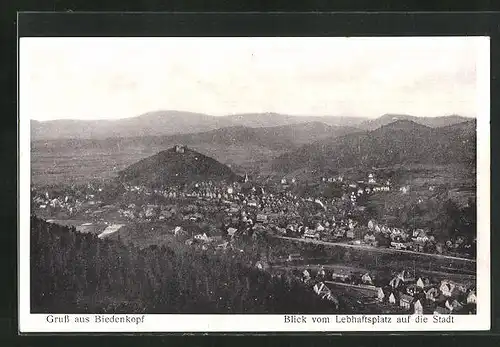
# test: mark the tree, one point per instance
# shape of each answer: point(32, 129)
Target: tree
point(90, 275)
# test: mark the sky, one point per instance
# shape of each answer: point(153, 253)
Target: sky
point(111, 78)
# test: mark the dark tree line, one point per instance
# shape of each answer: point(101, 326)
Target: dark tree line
point(73, 272)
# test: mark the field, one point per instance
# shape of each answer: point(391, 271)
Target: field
point(52, 162)
point(56, 166)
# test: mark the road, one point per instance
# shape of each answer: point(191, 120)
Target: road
point(376, 249)
point(110, 230)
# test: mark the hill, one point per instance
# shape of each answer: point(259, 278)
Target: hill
point(149, 124)
point(303, 133)
point(265, 120)
point(400, 142)
point(278, 137)
point(162, 123)
point(75, 272)
point(432, 122)
point(176, 166)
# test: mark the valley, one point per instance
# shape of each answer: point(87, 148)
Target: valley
point(371, 215)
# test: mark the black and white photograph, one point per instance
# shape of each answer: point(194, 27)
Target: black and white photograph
point(254, 184)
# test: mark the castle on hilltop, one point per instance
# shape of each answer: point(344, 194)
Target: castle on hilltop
point(180, 148)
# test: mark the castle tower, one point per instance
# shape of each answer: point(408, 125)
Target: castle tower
point(179, 148)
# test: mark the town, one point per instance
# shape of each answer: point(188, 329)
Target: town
point(218, 215)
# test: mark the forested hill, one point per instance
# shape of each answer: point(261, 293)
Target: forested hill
point(433, 122)
point(79, 273)
point(174, 166)
point(400, 142)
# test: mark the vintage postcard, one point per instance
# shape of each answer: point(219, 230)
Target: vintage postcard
point(254, 184)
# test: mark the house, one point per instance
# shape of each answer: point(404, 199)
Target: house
point(371, 179)
point(306, 276)
point(252, 203)
point(325, 293)
point(398, 245)
point(294, 257)
point(420, 283)
point(261, 218)
point(341, 275)
point(201, 237)
point(446, 288)
point(262, 265)
point(396, 282)
point(350, 234)
point(405, 301)
point(380, 294)
point(311, 234)
point(231, 231)
point(178, 231)
point(471, 297)
point(453, 305)
point(406, 276)
point(432, 294)
point(392, 299)
point(418, 308)
point(411, 289)
point(370, 238)
point(371, 225)
point(321, 289)
point(366, 279)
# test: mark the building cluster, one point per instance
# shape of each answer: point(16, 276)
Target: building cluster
point(70, 203)
point(422, 296)
point(404, 292)
point(418, 240)
point(252, 209)
point(211, 215)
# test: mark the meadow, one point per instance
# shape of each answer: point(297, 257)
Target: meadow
point(53, 162)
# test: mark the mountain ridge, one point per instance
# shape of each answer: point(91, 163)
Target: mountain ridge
point(171, 122)
point(433, 122)
point(402, 142)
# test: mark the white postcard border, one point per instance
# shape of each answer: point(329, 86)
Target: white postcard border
point(40, 323)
